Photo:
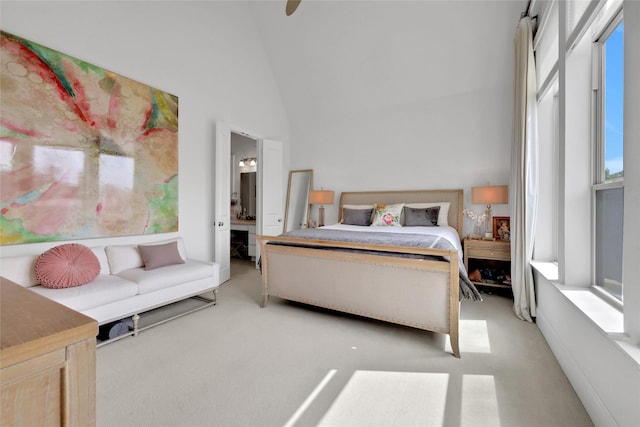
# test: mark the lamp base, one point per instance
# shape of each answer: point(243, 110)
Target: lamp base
point(321, 216)
point(488, 229)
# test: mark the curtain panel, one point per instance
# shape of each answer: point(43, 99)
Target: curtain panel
point(524, 173)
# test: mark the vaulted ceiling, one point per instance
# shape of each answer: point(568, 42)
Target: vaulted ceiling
point(343, 57)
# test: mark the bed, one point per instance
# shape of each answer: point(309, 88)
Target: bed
point(393, 274)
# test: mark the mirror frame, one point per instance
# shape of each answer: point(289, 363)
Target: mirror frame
point(286, 212)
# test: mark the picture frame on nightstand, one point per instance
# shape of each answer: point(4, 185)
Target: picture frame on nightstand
point(502, 228)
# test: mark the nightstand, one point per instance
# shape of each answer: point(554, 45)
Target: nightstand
point(489, 261)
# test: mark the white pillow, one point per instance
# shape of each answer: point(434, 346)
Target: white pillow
point(99, 252)
point(443, 215)
point(20, 269)
point(358, 206)
point(123, 257)
point(126, 257)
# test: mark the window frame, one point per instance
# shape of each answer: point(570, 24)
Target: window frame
point(600, 182)
point(550, 236)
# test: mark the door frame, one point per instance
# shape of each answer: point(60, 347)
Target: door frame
point(222, 218)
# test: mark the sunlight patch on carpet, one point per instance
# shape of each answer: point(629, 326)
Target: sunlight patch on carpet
point(294, 418)
point(474, 337)
point(479, 401)
point(377, 398)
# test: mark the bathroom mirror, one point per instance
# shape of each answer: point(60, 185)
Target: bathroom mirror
point(296, 215)
point(248, 194)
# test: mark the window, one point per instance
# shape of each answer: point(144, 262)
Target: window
point(613, 49)
point(608, 188)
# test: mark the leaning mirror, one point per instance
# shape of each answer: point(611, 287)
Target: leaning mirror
point(297, 211)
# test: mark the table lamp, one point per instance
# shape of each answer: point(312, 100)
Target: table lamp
point(489, 195)
point(321, 197)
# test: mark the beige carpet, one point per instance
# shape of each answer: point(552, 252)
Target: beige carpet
point(237, 364)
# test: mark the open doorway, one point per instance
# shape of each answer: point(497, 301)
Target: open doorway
point(269, 215)
point(243, 180)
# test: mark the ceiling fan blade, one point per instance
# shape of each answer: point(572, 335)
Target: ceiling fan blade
point(292, 5)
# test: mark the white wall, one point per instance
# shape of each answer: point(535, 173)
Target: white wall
point(206, 53)
point(457, 142)
point(450, 129)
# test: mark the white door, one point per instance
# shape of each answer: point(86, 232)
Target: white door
point(222, 200)
point(270, 214)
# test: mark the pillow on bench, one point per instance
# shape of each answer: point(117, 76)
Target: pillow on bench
point(155, 256)
point(66, 266)
point(126, 257)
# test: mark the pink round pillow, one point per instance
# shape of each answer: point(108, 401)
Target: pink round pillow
point(66, 266)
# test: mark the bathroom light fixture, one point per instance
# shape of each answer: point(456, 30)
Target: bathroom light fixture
point(251, 160)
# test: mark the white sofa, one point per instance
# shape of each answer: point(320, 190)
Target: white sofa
point(123, 288)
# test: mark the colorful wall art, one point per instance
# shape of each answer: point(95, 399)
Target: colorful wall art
point(84, 152)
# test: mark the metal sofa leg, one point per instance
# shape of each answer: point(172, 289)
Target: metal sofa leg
point(135, 319)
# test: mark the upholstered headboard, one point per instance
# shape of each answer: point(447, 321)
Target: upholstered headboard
point(454, 197)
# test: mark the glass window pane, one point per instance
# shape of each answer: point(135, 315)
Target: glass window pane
point(614, 103)
point(609, 214)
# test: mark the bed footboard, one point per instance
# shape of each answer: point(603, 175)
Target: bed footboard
point(412, 292)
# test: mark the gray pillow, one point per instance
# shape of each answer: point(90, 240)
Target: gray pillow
point(155, 256)
point(421, 217)
point(356, 216)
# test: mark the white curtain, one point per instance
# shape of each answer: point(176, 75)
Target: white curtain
point(524, 174)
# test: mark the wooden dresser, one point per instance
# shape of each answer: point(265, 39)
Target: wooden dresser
point(47, 361)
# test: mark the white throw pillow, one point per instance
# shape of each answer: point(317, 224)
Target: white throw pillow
point(126, 257)
point(99, 252)
point(123, 257)
point(20, 269)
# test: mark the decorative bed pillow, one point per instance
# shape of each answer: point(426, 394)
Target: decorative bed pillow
point(66, 266)
point(443, 215)
point(388, 215)
point(155, 256)
point(357, 207)
point(421, 217)
point(356, 216)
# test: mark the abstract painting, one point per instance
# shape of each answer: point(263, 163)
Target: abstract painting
point(84, 152)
